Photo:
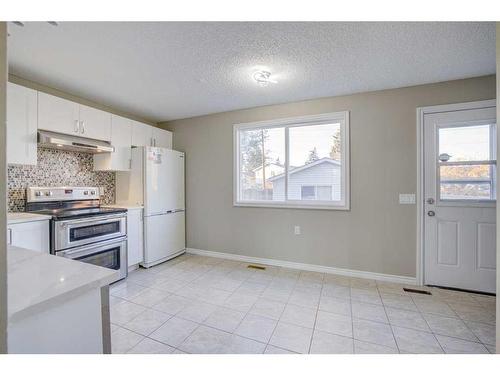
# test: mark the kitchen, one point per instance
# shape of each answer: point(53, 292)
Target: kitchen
point(249, 188)
point(71, 191)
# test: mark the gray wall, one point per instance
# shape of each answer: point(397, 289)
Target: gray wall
point(377, 234)
point(3, 183)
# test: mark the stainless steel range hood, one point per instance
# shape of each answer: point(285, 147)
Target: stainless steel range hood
point(60, 141)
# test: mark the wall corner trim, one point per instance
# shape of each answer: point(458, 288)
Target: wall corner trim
point(307, 267)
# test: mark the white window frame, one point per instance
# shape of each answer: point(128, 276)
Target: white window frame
point(325, 118)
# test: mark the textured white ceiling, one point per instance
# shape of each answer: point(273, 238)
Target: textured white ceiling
point(167, 70)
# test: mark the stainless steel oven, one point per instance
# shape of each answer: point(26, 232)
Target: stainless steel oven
point(80, 228)
point(110, 254)
point(77, 232)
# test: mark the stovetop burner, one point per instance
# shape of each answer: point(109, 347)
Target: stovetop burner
point(62, 214)
point(67, 202)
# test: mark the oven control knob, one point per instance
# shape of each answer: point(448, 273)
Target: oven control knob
point(92, 192)
point(85, 192)
point(38, 193)
point(48, 193)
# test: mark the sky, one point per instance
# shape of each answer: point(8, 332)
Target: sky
point(465, 143)
point(302, 140)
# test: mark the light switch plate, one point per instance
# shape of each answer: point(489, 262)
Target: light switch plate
point(406, 198)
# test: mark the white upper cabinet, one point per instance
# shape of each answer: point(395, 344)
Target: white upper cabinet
point(121, 137)
point(162, 138)
point(58, 115)
point(21, 125)
point(64, 116)
point(94, 123)
point(142, 134)
point(147, 135)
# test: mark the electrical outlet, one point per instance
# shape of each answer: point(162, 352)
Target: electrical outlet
point(297, 230)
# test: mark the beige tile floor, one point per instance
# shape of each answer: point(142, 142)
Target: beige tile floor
point(195, 304)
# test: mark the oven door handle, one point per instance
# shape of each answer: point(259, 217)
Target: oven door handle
point(100, 220)
point(88, 249)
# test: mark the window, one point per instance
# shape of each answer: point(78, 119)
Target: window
point(467, 162)
point(298, 162)
point(322, 193)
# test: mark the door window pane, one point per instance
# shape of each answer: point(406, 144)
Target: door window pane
point(470, 182)
point(315, 160)
point(262, 157)
point(465, 143)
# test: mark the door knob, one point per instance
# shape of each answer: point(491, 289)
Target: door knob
point(431, 213)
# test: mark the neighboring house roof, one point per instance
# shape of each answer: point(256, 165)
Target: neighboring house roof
point(294, 170)
point(268, 165)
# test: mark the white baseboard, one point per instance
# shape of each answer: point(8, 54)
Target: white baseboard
point(308, 267)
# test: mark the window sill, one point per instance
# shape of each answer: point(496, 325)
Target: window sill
point(291, 205)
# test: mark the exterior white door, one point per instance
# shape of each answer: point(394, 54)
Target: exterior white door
point(460, 199)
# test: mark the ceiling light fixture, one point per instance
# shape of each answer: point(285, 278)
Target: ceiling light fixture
point(263, 78)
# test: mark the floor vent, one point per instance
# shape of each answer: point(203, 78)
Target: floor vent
point(256, 267)
point(409, 290)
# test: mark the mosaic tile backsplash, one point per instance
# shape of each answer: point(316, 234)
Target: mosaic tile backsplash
point(57, 168)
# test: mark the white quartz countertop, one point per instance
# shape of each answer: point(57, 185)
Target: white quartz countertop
point(38, 280)
point(24, 217)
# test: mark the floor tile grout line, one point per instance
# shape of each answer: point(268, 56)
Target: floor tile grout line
point(352, 321)
point(277, 322)
point(387, 317)
point(449, 317)
point(295, 284)
point(316, 317)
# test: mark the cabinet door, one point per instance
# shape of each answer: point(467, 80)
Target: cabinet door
point(142, 134)
point(94, 123)
point(21, 125)
point(57, 114)
point(32, 236)
point(162, 138)
point(135, 237)
point(121, 137)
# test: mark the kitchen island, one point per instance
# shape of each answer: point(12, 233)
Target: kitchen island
point(57, 305)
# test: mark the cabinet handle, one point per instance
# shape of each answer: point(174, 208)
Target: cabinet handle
point(10, 236)
point(77, 126)
point(83, 127)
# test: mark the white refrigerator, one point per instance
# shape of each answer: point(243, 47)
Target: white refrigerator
point(156, 180)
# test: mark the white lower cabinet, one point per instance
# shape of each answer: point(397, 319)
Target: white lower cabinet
point(135, 236)
point(33, 235)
